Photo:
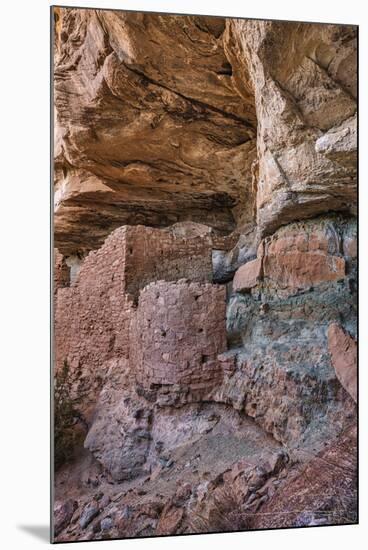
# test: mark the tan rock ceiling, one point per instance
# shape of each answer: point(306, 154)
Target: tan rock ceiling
point(160, 119)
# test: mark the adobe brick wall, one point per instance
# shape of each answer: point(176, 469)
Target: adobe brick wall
point(177, 334)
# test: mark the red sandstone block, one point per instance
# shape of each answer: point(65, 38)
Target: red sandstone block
point(303, 269)
point(297, 259)
point(247, 276)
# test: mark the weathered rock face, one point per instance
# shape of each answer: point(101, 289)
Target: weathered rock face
point(343, 349)
point(63, 514)
point(205, 280)
point(304, 81)
point(299, 257)
point(146, 131)
point(279, 319)
point(282, 369)
point(190, 100)
point(248, 275)
point(120, 429)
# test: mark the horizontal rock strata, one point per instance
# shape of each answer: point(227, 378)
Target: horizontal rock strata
point(171, 139)
point(205, 273)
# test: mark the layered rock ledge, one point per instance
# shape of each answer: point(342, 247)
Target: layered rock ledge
point(205, 279)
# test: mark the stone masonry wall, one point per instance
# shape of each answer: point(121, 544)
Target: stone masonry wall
point(93, 315)
point(154, 254)
point(61, 271)
point(177, 334)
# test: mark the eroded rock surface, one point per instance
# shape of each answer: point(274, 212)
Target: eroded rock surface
point(343, 349)
point(304, 82)
point(205, 281)
point(323, 492)
point(148, 131)
point(266, 351)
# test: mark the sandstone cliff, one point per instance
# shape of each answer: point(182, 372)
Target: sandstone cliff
point(205, 273)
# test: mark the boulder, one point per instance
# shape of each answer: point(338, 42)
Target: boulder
point(63, 513)
point(343, 350)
